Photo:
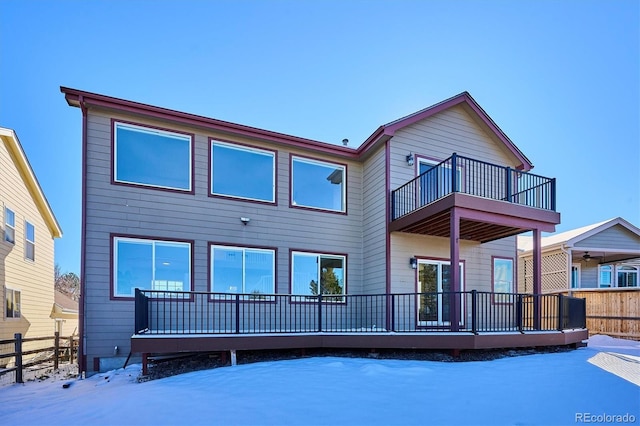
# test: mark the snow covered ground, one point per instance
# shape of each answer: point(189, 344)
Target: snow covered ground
point(599, 382)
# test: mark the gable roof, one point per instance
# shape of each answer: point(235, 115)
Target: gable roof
point(471, 106)
point(573, 236)
point(79, 98)
point(10, 139)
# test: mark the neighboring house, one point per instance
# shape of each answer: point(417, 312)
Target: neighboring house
point(289, 237)
point(604, 255)
point(26, 247)
point(65, 313)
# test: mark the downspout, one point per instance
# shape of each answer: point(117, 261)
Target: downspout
point(82, 360)
point(569, 265)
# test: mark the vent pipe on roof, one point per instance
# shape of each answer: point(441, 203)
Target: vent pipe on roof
point(345, 141)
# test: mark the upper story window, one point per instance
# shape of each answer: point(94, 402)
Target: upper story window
point(243, 172)
point(243, 270)
point(150, 265)
point(9, 226)
point(318, 185)
point(13, 307)
point(30, 241)
point(152, 157)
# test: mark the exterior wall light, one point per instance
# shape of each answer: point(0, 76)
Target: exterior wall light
point(245, 220)
point(410, 159)
point(414, 263)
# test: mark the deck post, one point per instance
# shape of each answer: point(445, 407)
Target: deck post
point(454, 270)
point(237, 314)
point(537, 278)
point(393, 313)
point(560, 312)
point(319, 310)
point(474, 311)
point(454, 174)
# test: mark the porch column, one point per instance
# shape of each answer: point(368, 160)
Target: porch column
point(454, 270)
point(537, 278)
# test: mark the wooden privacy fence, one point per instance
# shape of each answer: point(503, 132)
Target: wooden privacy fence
point(614, 312)
point(64, 349)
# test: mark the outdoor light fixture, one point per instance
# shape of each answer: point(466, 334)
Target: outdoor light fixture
point(414, 263)
point(410, 159)
point(245, 220)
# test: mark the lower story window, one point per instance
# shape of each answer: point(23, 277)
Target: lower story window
point(314, 273)
point(13, 307)
point(617, 276)
point(150, 265)
point(502, 279)
point(242, 270)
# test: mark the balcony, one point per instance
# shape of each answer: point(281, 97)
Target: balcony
point(493, 201)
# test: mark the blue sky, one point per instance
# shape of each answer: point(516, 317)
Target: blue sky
point(561, 78)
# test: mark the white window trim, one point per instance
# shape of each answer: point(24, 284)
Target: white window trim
point(635, 270)
point(7, 226)
point(439, 263)
point(243, 249)
point(252, 150)
point(27, 241)
point(613, 275)
point(579, 282)
point(7, 290)
point(318, 256)
point(320, 163)
point(153, 242)
point(150, 130)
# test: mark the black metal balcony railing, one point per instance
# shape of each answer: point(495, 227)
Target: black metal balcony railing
point(473, 177)
point(174, 312)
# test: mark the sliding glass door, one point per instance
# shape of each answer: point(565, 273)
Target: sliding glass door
point(434, 285)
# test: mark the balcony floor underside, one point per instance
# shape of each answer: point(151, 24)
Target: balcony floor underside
point(167, 343)
point(481, 219)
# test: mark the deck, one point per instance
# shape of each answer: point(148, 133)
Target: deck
point(171, 322)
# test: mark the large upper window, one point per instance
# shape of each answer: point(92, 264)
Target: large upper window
point(30, 241)
point(242, 172)
point(12, 304)
point(151, 157)
point(242, 270)
point(150, 265)
point(317, 184)
point(502, 279)
point(313, 274)
point(9, 226)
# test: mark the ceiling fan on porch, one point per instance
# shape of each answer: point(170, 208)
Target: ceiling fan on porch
point(587, 257)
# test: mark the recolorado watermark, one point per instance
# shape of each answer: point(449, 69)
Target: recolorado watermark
point(604, 418)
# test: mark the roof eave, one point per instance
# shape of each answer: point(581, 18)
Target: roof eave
point(13, 143)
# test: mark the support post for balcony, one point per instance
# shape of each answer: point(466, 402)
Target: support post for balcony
point(454, 274)
point(537, 278)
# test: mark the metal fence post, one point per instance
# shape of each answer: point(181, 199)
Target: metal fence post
point(56, 350)
point(474, 311)
point(319, 312)
point(519, 312)
point(71, 349)
point(237, 314)
point(18, 352)
point(560, 312)
point(508, 182)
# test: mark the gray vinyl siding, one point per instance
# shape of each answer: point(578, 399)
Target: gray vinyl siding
point(438, 137)
point(128, 210)
point(374, 273)
point(477, 259)
point(588, 275)
point(616, 237)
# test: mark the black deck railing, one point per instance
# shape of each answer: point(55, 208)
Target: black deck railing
point(473, 177)
point(176, 312)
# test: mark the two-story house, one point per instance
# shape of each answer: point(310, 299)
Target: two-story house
point(26, 246)
point(242, 238)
